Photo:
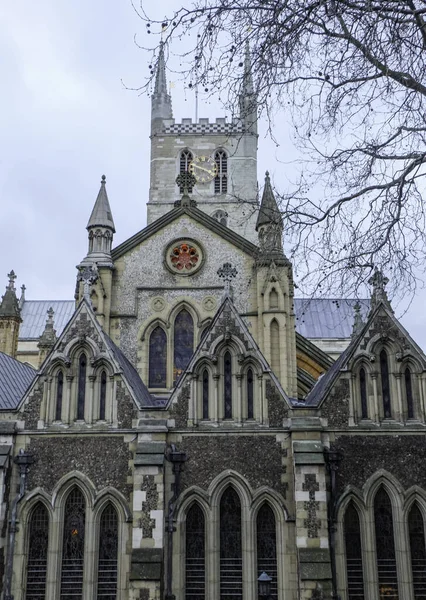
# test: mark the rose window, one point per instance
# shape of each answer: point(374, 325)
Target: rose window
point(184, 257)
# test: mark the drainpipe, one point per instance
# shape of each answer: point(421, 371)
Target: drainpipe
point(177, 459)
point(23, 460)
point(332, 460)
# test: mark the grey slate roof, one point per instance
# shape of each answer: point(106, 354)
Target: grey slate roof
point(327, 317)
point(15, 378)
point(34, 315)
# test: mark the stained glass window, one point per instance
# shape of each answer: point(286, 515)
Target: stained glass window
point(185, 159)
point(227, 370)
point(418, 554)
point(384, 371)
point(363, 392)
point(158, 358)
point(409, 393)
point(250, 408)
point(195, 554)
point(205, 394)
point(354, 572)
point(183, 343)
point(267, 546)
point(59, 395)
point(108, 554)
point(221, 179)
point(102, 396)
point(385, 546)
point(81, 386)
point(73, 546)
point(231, 571)
point(37, 553)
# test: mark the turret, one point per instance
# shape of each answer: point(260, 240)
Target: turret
point(248, 100)
point(10, 319)
point(101, 229)
point(161, 102)
point(48, 337)
point(94, 279)
point(269, 222)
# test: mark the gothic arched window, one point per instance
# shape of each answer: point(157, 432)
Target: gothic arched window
point(354, 572)
point(81, 394)
point(231, 563)
point(275, 348)
point(221, 216)
point(363, 393)
point(250, 389)
point(185, 159)
point(385, 546)
point(102, 396)
point(73, 546)
point(221, 179)
point(59, 395)
point(183, 343)
point(195, 575)
point(416, 530)
point(273, 298)
point(384, 373)
point(37, 553)
point(205, 394)
point(157, 358)
point(409, 393)
point(227, 385)
point(108, 554)
point(267, 546)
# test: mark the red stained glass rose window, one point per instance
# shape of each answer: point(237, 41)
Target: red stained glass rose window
point(184, 257)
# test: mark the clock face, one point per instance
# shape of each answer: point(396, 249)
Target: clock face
point(204, 168)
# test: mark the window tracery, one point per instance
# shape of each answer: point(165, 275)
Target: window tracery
point(231, 574)
point(37, 553)
point(221, 179)
point(195, 554)
point(158, 358)
point(221, 216)
point(354, 566)
point(385, 546)
point(267, 546)
point(183, 343)
point(108, 554)
point(73, 546)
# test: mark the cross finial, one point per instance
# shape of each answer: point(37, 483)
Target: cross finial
point(186, 181)
point(227, 273)
point(378, 281)
point(12, 278)
point(88, 275)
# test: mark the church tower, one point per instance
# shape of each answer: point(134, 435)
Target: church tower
point(222, 155)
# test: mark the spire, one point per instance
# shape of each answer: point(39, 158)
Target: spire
point(161, 102)
point(9, 306)
point(378, 281)
point(248, 101)
point(101, 214)
point(269, 221)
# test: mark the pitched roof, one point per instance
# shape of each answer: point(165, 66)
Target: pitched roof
point(327, 317)
point(15, 378)
point(101, 214)
point(33, 315)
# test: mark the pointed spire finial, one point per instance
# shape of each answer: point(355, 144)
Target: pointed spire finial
point(12, 278)
point(358, 323)
point(378, 281)
point(103, 180)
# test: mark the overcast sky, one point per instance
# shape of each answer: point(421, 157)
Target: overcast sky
point(66, 118)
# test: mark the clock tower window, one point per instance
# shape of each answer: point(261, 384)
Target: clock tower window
point(221, 179)
point(186, 158)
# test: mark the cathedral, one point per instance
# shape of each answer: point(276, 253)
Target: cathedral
point(186, 429)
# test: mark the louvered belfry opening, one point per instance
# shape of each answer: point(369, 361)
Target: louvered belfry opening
point(231, 563)
point(37, 553)
point(267, 546)
point(221, 179)
point(108, 554)
point(385, 546)
point(354, 572)
point(195, 573)
point(73, 547)
point(416, 530)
